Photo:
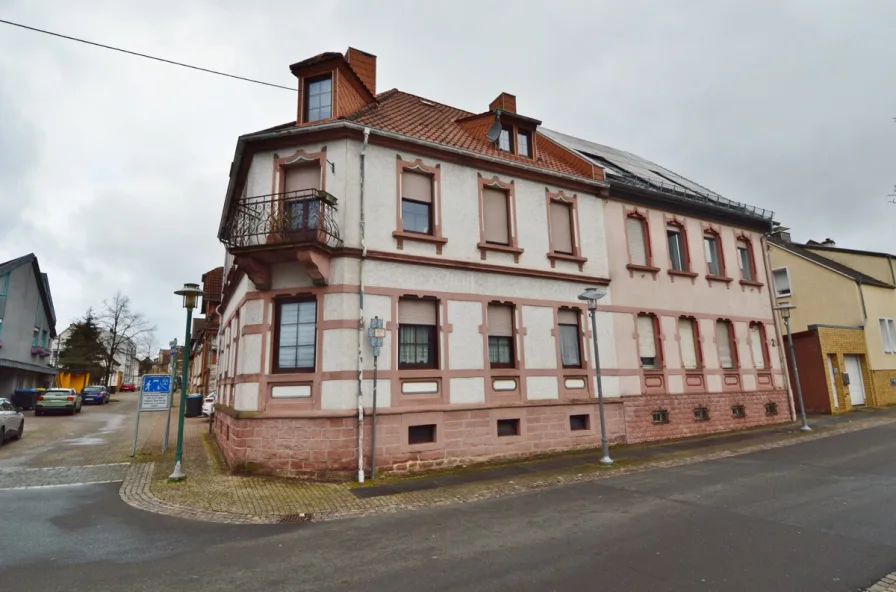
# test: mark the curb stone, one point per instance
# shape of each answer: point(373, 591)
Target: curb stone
point(135, 489)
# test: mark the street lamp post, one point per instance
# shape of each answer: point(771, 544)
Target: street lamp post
point(592, 295)
point(785, 309)
point(189, 293)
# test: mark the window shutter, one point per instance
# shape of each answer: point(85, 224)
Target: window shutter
point(637, 248)
point(782, 283)
point(646, 337)
point(892, 325)
point(567, 317)
point(561, 227)
point(416, 186)
point(688, 343)
point(416, 311)
point(500, 320)
point(494, 209)
point(723, 339)
point(302, 177)
point(758, 347)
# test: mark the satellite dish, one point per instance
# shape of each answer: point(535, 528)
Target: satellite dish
point(494, 132)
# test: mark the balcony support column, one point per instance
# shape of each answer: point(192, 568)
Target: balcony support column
point(316, 265)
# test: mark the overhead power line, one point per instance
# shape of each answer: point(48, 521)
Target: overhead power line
point(143, 55)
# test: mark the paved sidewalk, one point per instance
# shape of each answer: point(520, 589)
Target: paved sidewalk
point(211, 493)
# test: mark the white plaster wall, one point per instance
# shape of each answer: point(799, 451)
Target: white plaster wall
point(541, 350)
point(289, 275)
point(252, 313)
point(340, 348)
point(708, 341)
point(243, 286)
point(675, 384)
point(340, 306)
point(542, 388)
point(629, 385)
point(465, 340)
point(246, 397)
point(340, 394)
point(611, 386)
point(714, 383)
point(467, 390)
point(749, 383)
point(670, 343)
point(250, 354)
point(383, 393)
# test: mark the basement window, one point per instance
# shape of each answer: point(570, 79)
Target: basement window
point(738, 411)
point(701, 414)
point(508, 427)
point(661, 416)
point(422, 434)
point(771, 408)
point(579, 422)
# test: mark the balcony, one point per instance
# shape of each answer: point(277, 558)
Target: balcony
point(294, 226)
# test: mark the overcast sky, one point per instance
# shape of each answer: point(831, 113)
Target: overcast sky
point(113, 168)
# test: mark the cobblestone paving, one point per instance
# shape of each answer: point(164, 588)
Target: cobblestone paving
point(886, 584)
point(54, 476)
point(211, 493)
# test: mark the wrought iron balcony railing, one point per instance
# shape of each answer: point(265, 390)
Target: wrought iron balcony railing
point(295, 217)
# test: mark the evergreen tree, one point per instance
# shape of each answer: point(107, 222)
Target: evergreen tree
point(84, 351)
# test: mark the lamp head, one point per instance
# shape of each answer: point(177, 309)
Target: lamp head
point(591, 296)
point(189, 292)
point(784, 308)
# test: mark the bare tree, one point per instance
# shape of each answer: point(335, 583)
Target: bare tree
point(123, 329)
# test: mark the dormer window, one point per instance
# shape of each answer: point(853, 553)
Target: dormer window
point(318, 98)
point(524, 143)
point(505, 140)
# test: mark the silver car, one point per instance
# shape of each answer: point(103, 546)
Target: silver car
point(12, 422)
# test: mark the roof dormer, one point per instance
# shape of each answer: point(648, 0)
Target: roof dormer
point(332, 85)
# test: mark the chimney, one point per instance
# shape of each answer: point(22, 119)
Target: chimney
point(364, 65)
point(504, 102)
point(781, 233)
point(828, 243)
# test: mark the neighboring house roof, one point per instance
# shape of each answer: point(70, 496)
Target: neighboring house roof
point(821, 247)
point(43, 285)
point(213, 284)
point(630, 169)
point(801, 251)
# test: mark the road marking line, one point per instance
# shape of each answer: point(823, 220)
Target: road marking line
point(60, 485)
point(20, 470)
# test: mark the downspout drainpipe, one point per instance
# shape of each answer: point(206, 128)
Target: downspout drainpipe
point(770, 282)
point(361, 321)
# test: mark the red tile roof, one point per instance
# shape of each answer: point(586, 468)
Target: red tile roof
point(414, 116)
point(213, 284)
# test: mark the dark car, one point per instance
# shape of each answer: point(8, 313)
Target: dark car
point(95, 394)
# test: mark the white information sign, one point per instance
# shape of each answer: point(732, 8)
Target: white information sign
point(156, 393)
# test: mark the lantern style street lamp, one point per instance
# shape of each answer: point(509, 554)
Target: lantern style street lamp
point(592, 295)
point(784, 308)
point(189, 293)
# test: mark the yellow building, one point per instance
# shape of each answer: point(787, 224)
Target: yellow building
point(844, 323)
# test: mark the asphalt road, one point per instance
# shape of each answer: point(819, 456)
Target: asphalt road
point(816, 516)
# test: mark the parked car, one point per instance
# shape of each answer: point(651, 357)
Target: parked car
point(129, 388)
point(208, 405)
point(58, 399)
point(12, 422)
point(95, 394)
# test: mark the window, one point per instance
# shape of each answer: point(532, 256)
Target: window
point(570, 356)
point(422, 434)
point(782, 282)
point(725, 342)
point(296, 335)
point(771, 408)
point(500, 336)
point(677, 251)
point(738, 411)
point(687, 334)
point(757, 345)
point(745, 260)
point(701, 414)
point(636, 234)
point(36, 339)
point(508, 427)
point(661, 416)
point(318, 99)
point(416, 202)
point(1, 327)
point(44, 338)
point(495, 218)
point(713, 254)
point(4, 284)
point(417, 346)
point(888, 334)
point(579, 422)
point(648, 350)
point(505, 140)
point(561, 227)
point(524, 143)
